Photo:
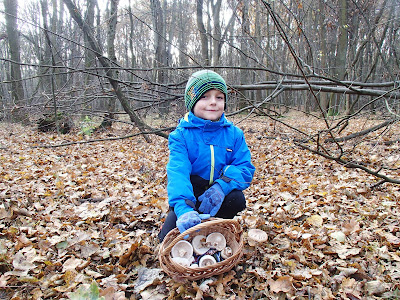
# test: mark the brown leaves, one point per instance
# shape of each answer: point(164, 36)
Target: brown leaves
point(89, 213)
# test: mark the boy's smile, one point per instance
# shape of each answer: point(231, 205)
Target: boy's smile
point(210, 106)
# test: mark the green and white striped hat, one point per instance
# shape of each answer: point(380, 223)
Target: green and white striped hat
point(199, 83)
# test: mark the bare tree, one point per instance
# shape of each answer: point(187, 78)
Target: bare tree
point(107, 65)
point(90, 57)
point(17, 90)
point(112, 27)
point(161, 55)
point(203, 33)
point(244, 45)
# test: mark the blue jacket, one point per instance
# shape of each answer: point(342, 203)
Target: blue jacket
point(216, 151)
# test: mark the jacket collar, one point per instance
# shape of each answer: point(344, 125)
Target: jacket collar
point(190, 121)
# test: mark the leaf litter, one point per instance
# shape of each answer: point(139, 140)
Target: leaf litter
point(83, 219)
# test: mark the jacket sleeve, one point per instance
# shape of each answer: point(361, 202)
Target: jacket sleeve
point(239, 173)
point(179, 169)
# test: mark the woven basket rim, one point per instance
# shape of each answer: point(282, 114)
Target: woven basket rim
point(222, 225)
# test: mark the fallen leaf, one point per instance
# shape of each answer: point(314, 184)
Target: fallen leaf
point(282, 284)
point(344, 251)
point(350, 227)
point(145, 278)
point(315, 220)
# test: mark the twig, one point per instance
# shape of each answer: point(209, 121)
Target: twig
point(352, 165)
point(105, 139)
point(364, 132)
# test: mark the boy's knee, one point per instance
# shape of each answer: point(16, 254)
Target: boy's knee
point(233, 203)
point(169, 224)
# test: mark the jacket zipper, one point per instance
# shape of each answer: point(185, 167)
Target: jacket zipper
point(212, 164)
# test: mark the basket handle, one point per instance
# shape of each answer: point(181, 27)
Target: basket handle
point(205, 223)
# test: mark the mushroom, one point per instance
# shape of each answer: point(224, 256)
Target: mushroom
point(226, 252)
point(194, 265)
point(207, 260)
point(199, 244)
point(216, 240)
point(182, 249)
point(257, 236)
point(181, 261)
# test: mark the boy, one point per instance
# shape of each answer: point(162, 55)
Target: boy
point(209, 163)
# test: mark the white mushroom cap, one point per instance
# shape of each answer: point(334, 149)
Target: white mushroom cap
point(182, 249)
point(181, 260)
point(256, 236)
point(216, 240)
point(199, 244)
point(207, 260)
point(194, 265)
point(226, 252)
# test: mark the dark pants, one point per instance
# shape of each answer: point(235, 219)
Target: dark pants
point(233, 203)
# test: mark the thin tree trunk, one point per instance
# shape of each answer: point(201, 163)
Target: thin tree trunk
point(90, 57)
point(18, 113)
point(203, 33)
point(323, 97)
point(112, 25)
point(341, 48)
point(182, 39)
point(160, 49)
point(49, 47)
point(131, 49)
point(217, 35)
point(244, 46)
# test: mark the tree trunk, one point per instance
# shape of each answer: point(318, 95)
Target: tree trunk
point(341, 49)
point(112, 25)
point(51, 82)
point(90, 57)
point(18, 112)
point(323, 97)
point(244, 46)
point(131, 34)
point(160, 49)
point(182, 38)
point(159, 42)
point(203, 33)
point(217, 34)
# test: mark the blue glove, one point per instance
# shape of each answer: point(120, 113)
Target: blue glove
point(211, 200)
point(190, 219)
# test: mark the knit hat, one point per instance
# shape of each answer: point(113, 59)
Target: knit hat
point(199, 83)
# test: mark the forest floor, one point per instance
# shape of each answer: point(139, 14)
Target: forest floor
point(83, 219)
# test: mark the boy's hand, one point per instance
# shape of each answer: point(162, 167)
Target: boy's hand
point(190, 219)
point(211, 200)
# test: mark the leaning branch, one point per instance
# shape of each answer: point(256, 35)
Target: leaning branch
point(106, 64)
point(363, 132)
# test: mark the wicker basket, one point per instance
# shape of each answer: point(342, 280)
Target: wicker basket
point(232, 231)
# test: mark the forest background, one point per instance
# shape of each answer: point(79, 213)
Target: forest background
point(89, 91)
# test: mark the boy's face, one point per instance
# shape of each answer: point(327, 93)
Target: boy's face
point(210, 106)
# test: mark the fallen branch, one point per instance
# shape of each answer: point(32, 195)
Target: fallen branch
point(106, 139)
point(352, 165)
point(362, 133)
point(321, 88)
